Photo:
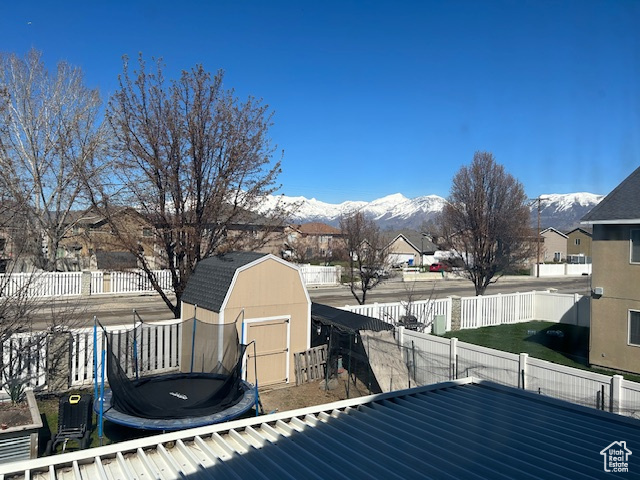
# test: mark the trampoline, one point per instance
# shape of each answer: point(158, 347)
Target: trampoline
point(207, 388)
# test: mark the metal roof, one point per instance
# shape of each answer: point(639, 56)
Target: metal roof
point(208, 285)
point(462, 429)
point(622, 205)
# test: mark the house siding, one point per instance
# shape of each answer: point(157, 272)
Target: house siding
point(400, 246)
point(585, 243)
point(613, 271)
point(554, 242)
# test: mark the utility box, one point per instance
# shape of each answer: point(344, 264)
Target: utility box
point(440, 325)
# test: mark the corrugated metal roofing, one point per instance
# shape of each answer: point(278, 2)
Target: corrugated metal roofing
point(463, 429)
point(621, 204)
point(208, 285)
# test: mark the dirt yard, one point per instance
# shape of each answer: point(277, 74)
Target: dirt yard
point(309, 394)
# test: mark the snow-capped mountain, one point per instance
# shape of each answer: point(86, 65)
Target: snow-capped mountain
point(564, 211)
point(394, 212)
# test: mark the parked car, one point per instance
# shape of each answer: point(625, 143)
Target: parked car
point(439, 267)
point(376, 272)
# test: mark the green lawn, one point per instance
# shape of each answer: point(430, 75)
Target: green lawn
point(112, 433)
point(571, 348)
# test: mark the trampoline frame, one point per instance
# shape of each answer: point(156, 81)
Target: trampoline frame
point(250, 398)
point(248, 401)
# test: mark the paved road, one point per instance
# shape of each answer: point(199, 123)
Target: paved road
point(118, 309)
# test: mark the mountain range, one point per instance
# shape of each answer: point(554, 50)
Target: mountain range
point(396, 212)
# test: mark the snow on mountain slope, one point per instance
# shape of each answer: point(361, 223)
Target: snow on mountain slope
point(561, 211)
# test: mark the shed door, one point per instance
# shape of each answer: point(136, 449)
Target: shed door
point(271, 350)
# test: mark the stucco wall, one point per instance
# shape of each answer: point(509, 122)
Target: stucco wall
point(620, 280)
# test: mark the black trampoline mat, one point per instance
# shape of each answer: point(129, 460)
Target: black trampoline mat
point(178, 390)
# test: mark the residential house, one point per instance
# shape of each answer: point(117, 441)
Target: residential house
point(615, 307)
point(256, 237)
point(555, 245)
point(411, 248)
point(93, 243)
point(312, 241)
point(579, 245)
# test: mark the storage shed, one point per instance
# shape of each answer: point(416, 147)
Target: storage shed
point(266, 296)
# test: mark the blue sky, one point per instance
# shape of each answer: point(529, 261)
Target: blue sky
point(378, 97)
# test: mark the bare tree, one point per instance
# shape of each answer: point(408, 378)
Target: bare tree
point(367, 253)
point(301, 247)
point(193, 160)
point(28, 325)
point(486, 221)
point(49, 133)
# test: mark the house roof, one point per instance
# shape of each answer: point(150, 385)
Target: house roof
point(318, 228)
point(462, 429)
point(586, 231)
point(553, 230)
point(345, 320)
point(417, 240)
point(116, 260)
point(208, 285)
point(620, 206)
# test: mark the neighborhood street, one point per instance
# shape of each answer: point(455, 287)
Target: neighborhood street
point(118, 309)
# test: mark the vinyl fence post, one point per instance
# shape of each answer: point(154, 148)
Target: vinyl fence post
point(523, 371)
point(453, 357)
point(615, 399)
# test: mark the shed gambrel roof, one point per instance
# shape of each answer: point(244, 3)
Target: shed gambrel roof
point(622, 205)
point(208, 286)
point(461, 429)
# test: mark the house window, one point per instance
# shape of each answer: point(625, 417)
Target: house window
point(147, 232)
point(634, 327)
point(557, 256)
point(635, 246)
point(577, 241)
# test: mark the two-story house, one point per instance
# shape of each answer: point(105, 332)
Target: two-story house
point(615, 305)
point(554, 245)
point(579, 245)
point(312, 241)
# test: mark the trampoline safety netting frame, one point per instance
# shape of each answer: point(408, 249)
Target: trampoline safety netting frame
point(206, 388)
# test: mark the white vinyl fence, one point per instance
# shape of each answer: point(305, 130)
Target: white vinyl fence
point(59, 284)
point(434, 359)
point(394, 313)
point(562, 269)
point(319, 275)
point(24, 357)
point(43, 284)
point(485, 311)
point(158, 350)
